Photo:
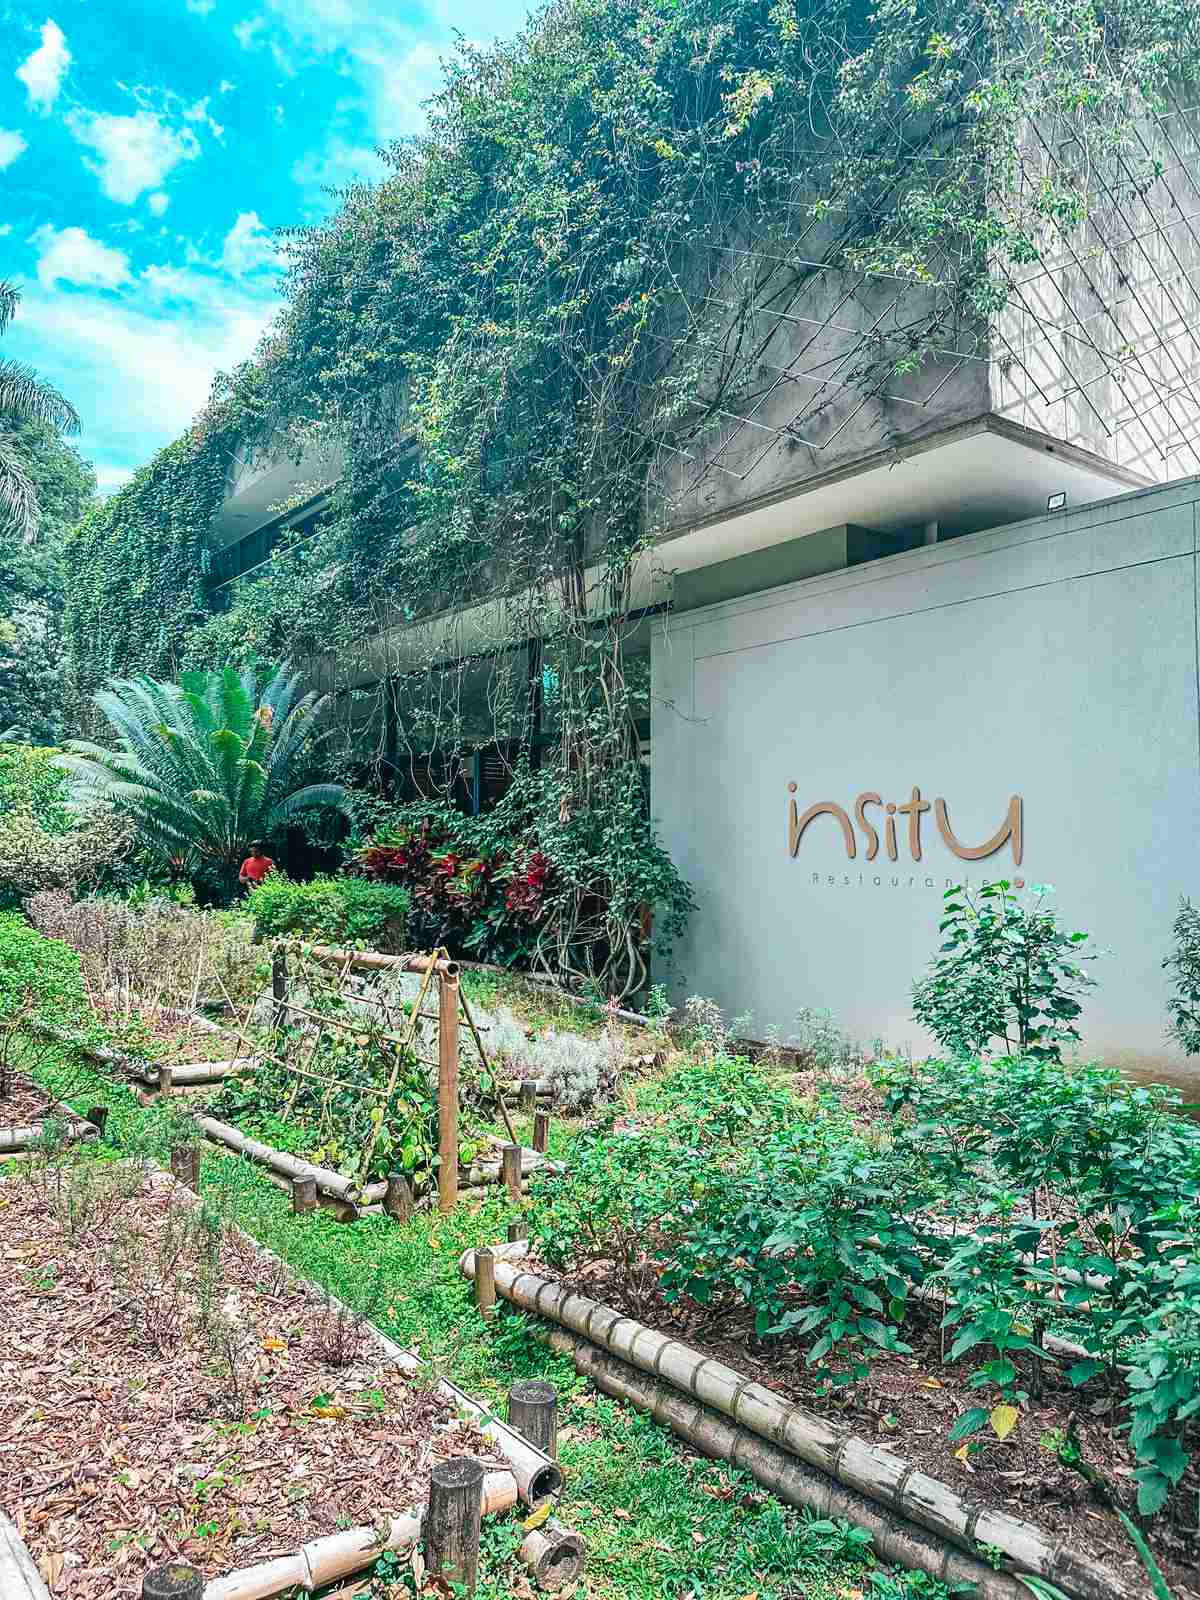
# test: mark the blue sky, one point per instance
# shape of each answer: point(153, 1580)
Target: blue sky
point(148, 151)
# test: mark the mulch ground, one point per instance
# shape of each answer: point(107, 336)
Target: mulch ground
point(172, 1392)
point(908, 1405)
point(27, 1103)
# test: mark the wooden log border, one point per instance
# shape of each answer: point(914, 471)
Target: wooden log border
point(916, 1520)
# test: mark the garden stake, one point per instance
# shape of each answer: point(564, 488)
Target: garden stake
point(528, 1096)
point(279, 984)
point(398, 1198)
point(185, 1165)
point(532, 1402)
point(304, 1195)
point(98, 1116)
point(451, 1544)
point(166, 1080)
point(448, 1104)
point(541, 1131)
point(518, 1230)
point(176, 1581)
point(485, 1293)
point(510, 1167)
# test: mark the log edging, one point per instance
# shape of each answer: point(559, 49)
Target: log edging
point(662, 1374)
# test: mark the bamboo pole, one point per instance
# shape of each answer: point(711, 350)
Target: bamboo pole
point(702, 1397)
point(447, 1092)
point(14, 1140)
point(287, 1166)
point(175, 1581)
point(511, 1169)
point(532, 1402)
point(485, 1301)
point(337, 1555)
point(554, 1555)
point(375, 961)
point(541, 1131)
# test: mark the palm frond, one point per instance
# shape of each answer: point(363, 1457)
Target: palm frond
point(25, 397)
point(18, 497)
point(10, 299)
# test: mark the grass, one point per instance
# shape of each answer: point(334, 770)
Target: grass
point(660, 1523)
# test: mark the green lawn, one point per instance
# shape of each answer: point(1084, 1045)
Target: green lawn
point(660, 1524)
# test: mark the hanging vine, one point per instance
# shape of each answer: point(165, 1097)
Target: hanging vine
point(562, 308)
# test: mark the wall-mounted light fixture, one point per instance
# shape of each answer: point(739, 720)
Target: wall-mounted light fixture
point(1057, 502)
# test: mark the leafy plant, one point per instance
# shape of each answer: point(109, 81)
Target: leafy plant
point(337, 910)
point(1183, 968)
point(1005, 973)
point(206, 767)
point(24, 398)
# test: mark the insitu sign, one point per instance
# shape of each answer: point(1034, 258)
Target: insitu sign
point(914, 810)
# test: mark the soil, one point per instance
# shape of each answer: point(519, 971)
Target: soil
point(27, 1103)
point(908, 1405)
point(159, 1408)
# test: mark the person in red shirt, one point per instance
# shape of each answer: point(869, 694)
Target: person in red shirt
point(256, 866)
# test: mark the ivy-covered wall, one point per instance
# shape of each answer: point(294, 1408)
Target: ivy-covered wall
point(136, 566)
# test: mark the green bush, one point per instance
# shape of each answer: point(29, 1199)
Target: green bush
point(336, 910)
point(1183, 968)
point(40, 972)
point(31, 781)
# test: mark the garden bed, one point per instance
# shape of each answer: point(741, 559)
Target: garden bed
point(25, 1111)
point(909, 1405)
point(172, 1393)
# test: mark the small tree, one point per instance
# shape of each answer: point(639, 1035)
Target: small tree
point(207, 766)
point(1183, 966)
point(1006, 972)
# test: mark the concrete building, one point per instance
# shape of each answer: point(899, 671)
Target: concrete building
point(964, 578)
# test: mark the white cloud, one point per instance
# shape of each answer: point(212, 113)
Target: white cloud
point(336, 165)
point(279, 113)
point(248, 245)
point(201, 7)
point(42, 73)
point(158, 203)
point(12, 146)
point(226, 87)
point(157, 344)
point(200, 113)
point(110, 478)
point(5, 229)
point(246, 33)
point(134, 153)
point(69, 255)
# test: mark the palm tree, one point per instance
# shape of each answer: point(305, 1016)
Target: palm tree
point(24, 397)
point(208, 766)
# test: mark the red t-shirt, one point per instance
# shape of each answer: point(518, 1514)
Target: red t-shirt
point(255, 868)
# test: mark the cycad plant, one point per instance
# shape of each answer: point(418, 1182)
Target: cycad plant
point(24, 397)
point(208, 766)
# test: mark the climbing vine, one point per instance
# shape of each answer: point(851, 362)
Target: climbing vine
point(527, 344)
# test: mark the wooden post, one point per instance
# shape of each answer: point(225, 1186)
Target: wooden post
point(447, 1092)
point(304, 1195)
point(98, 1116)
point(279, 981)
point(185, 1165)
point(452, 1521)
point(398, 1199)
point(175, 1581)
point(485, 1282)
point(518, 1230)
point(528, 1096)
point(166, 1080)
point(541, 1131)
point(533, 1410)
point(510, 1170)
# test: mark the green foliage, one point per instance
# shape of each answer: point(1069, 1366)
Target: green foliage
point(206, 767)
point(341, 910)
point(40, 972)
point(537, 882)
point(1183, 968)
point(32, 780)
point(135, 569)
point(1005, 975)
point(31, 586)
point(32, 857)
point(25, 401)
point(1026, 1191)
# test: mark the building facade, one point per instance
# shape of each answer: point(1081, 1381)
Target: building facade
point(830, 754)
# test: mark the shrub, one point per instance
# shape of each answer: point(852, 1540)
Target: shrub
point(332, 909)
point(1183, 967)
point(33, 857)
point(39, 971)
point(1005, 972)
point(30, 780)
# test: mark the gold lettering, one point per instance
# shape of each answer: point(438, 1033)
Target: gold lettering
point(797, 825)
point(1010, 828)
point(860, 805)
point(913, 811)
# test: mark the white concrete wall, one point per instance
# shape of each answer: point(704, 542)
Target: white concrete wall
point(1055, 659)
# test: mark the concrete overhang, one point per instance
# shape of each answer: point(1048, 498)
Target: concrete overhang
point(261, 488)
point(981, 474)
point(978, 474)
